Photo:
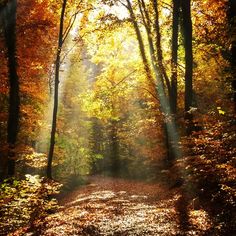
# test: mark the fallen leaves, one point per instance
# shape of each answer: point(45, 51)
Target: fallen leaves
point(122, 207)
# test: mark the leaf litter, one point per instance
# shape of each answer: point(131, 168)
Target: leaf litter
point(113, 206)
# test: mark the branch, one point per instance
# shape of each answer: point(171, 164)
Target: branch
point(66, 54)
point(70, 25)
point(142, 14)
point(154, 96)
point(127, 76)
point(123, 4)
point(72, 21)
point(146, 14)
point(166, 5)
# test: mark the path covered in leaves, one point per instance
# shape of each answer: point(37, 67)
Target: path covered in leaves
point(110, 206)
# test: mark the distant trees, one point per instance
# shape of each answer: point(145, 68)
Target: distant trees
point(128, 129)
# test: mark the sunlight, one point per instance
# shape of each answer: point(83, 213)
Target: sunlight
point(68, 50)
point(120, 11)
point(74, 32)
point(200, 219)
point(117, 9)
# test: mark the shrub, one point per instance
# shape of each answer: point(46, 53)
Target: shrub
point(24, 203)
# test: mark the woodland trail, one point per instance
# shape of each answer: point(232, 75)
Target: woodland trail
point(110, 206)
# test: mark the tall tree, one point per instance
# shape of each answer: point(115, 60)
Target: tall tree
point(162, 80)
point(174, 54)
point(187, 33)
point(140, 40)
point(232, 22)
point(159, 51)
point(56, 89)
point(14, 99)
point(171, 137)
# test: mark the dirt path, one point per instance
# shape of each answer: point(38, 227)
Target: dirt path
point(122, 207)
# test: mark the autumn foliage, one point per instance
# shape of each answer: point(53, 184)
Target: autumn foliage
point(146, 92)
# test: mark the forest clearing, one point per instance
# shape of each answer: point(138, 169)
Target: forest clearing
point(117, 117)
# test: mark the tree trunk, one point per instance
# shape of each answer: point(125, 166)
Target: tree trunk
point(169, 129)
point(56, 91)
point(114, 153)
point(187, 33)
point(232, 23)
point(140, 42)
point(143, 55)
point(159, 48)
point(174, 55)
point(14, 99)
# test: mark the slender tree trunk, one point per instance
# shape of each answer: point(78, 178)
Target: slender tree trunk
point(159, 48)
point(158, 73)
point(56, 91)
point(174, 55)
point(156, 61)
point(143, 55)
point(187, 33)
point(14, 99)
point(169, 128)
point(114, 154)
point(170, 131)
point(159, 88)
point(232, 23)
point(140, 41)
point(96, 143)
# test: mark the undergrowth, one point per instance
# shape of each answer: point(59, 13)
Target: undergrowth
point(24, 203)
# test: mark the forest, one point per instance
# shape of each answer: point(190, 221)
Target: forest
point(117, 117)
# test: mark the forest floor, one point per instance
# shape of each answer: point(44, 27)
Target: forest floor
point(113, 206)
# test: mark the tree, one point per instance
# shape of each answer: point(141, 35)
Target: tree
point(14, 99)
point(33, 62)
point(162, 83)
point(140, 41)
point(56, 89)
point(36, 42)
point(187, 33)
point(232, 23)
point(174, 54)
